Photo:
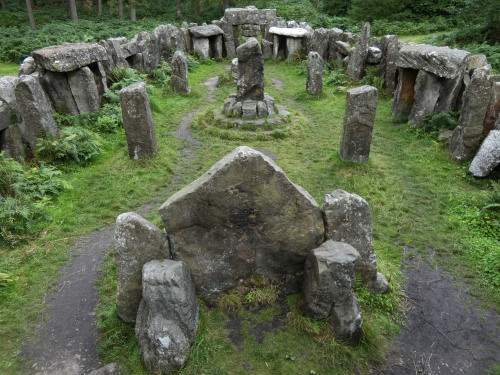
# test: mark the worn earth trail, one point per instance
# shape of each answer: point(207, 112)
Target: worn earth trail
point(68, 334)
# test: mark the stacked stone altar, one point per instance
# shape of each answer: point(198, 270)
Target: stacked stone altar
point(250, 100)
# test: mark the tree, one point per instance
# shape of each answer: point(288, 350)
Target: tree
point(3, 5)
point(99, 7)
point(73, 11)
point(179, 13)
point(336, 7)
point(133, 16)
point(120, 10)
point(30, 15)
point(363, 10)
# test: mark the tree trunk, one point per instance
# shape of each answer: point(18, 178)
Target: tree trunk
point(99, 7)
point(111, 8)
point(72, 10)
point(3, 5)
point(197, 9)
point(120, 10)
point(179, 13)
point(133, 17)
point(30, 15)
point(51, 5)
point(159, 3)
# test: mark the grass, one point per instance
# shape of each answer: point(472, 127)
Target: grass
point(9, 69)
point(408, 182)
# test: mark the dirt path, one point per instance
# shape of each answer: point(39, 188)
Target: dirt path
point(67, 338)
point(446, 331)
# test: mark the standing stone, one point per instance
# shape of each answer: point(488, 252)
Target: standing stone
point(27, 67)
point(167, 319)
point(35, 110)
point(293, 46)
point(57, 87)
point(251, 71)
point(242, 217)
point(493, 112)
point(427, 89)
point(267, 49)
point(188, 40)
point(5, 116)
point(477, 61)
point(314, 82)
point(359, 118)
point(467, 135)
point(227, 28)
point(138, 122)
point(180, 73)
point(328, 280)
point(202, 45)
point(333, 37)
point(7, 92)
point(488, 156)
point(84, 89)
point(317, 41)
point(405, 92)
point(348, 219)
point(390, 51)
point(137, 242)
point(357, 58)
point(449, 95)
point(11, 143)
point(234, 69)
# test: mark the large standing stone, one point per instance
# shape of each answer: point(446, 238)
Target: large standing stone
point(11, 143)
point(357, 58)
point(488, 156)
point(243, 217)
point(449, 94)
point(167, 319)
point(227, 28)
point(84, 89)
point(333, 37)
point(493, 112)
point(69, 56)
point(467, 135)
point(180, 73)
point(202, 46)
point(251, 71)
point(317, 41)
point(328, 280)
point(441, 61)
point(137, 242)
point(359, 118)
point(35, 110)
point(427, 89)
point(405, 92)
point(5, 115)
point(7, 92)
point(138, 122)
point(249, 15)
point(57, 87)
point(390, 51)
point(314, 82)
point(348, 219)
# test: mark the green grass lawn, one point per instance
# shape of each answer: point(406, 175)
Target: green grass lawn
point(9, 69)
point(410, 182)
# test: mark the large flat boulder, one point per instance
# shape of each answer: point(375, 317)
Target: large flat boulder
point(249, 15)
point(205, 31)
point(69, 56)
point(242, 217)
point(295, 32)
point(441, 61)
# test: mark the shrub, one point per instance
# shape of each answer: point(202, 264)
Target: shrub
point(335, 74)
point(435, 123)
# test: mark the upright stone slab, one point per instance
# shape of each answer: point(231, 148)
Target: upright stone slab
point(167, 319)
point(314, 82)
point(333, 37)
point(27, 67)
point(328, 280)
point(202, 46)
point(84, 89)
point(234, 70)
point(251, 71)
point(317, 41)
point(427, 90)
point(57, 87)
point(180, 73)
point(7, 92)
point(405, 92)
point(243, 217)
point(137, 242)
point(493, 111)
point(467, 135)
point(35, 110)
point(390, 51)
point(11, 143)
point(488, 156)
point(348, 219)
point(138, 122)
point(69, 56)
point(357, 58)
point(5, 115)
point(449, 94)
point(359, 118)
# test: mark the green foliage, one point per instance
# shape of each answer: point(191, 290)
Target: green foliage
point(5, 279)
point(71, 144)
point(24, 192)
point(374, 78)
point(335, 74)
point(225, 79)
point(387, 304)
point(435, 123)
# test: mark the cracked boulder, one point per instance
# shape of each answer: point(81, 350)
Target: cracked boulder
point(243, 217)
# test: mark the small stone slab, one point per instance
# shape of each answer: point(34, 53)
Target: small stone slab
point(69, 56)
point(441, 61)
point(296, 32)
point(488, 156)
point(205, 31)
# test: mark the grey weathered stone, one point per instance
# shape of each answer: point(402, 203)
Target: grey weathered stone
point(359, 118)
point(7, 92)
point(57, 87)
point(237, 109)
point(293, 46)
point(202, 45)
point(109, 369)
point(267, 49)
point(205, 31)
point(449, 94)
point(466, 138)
point(84, 89)
point(441, 61)
point(289, 32)
point(374, 55)
point(243, 217)
point(477, 61)
point(328, 280)
point(390, 51)
point(241, 16)
point(357, 57)
point(262, 110)
point(100, 77)
point(217, 47)
point(251, 71)
point(314, 82)
point(488, 156)
point(227, 28)
point(175, 40)
point(188, 40)
point(493, 111)
point(305, 25)
point(348, 219)
point(138, 122)
point(137, 242)
point(69, 56)
point(292, 24)
point(229, 105)
point(249, 109)
point(180, 73)
point(5, 115)
point(35, 110)
point(11, 143)
point(342, 47)
point(404, 94)
point(318, 41)
point(167, 319)
point(27, 67)
point(427, 89)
